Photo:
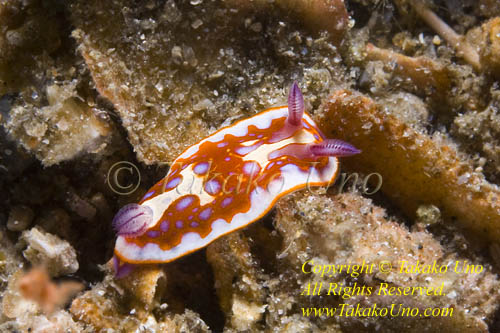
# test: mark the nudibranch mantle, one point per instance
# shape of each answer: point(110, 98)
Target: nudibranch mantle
point(227, 181)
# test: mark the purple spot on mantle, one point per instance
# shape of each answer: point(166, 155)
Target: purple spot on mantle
point(201, 168)
point(179, 224)
point(244, 150)
point(226, 202)
point(205, 214)
point(184, 203)
point(194, 224)
point(227, 159)
point(212, 187)
point(222, 144)
point(164, 226)
point(251, 168)
point(153, 233)
point(148, 195)
point(172, 183)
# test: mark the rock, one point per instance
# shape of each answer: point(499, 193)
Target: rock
point(59, 322)
point(67, 127)
point(55, 254)
point(430, 168)
point(167, 103)
point(347, 228)
point(127, 305)
point(20, 218)
point(238, 281)
point(245, 315)
point(13, 304)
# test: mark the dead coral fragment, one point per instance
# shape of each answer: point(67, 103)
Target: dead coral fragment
point(30, 31)
point(487, 38)
point(407, 107)
point(25, 313)
point(37, 286)
point(60, 131)
point(463, 48)
point(20, 218)
point(489, 8)
point(50, 251)
point(425, 75)
point(238, 281)
point(422, 170)
point(138, 293)
point(9, 259)
point(127, 305)
point(100, 309)
point(145, 283)
point(330, 15)
point(171, 91)
point(479, 131)
point(347, 228)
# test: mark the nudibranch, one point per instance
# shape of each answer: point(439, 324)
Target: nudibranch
point(225, 182)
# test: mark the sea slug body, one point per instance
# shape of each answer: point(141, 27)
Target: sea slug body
point(225, 182)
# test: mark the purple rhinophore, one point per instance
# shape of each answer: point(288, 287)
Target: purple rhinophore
point(132, 220)
point(333, 147)
point(295, 105)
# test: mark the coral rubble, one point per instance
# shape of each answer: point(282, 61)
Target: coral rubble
point(348, 228)
point(187, 86)
point(419, 163)
point(50, 251)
